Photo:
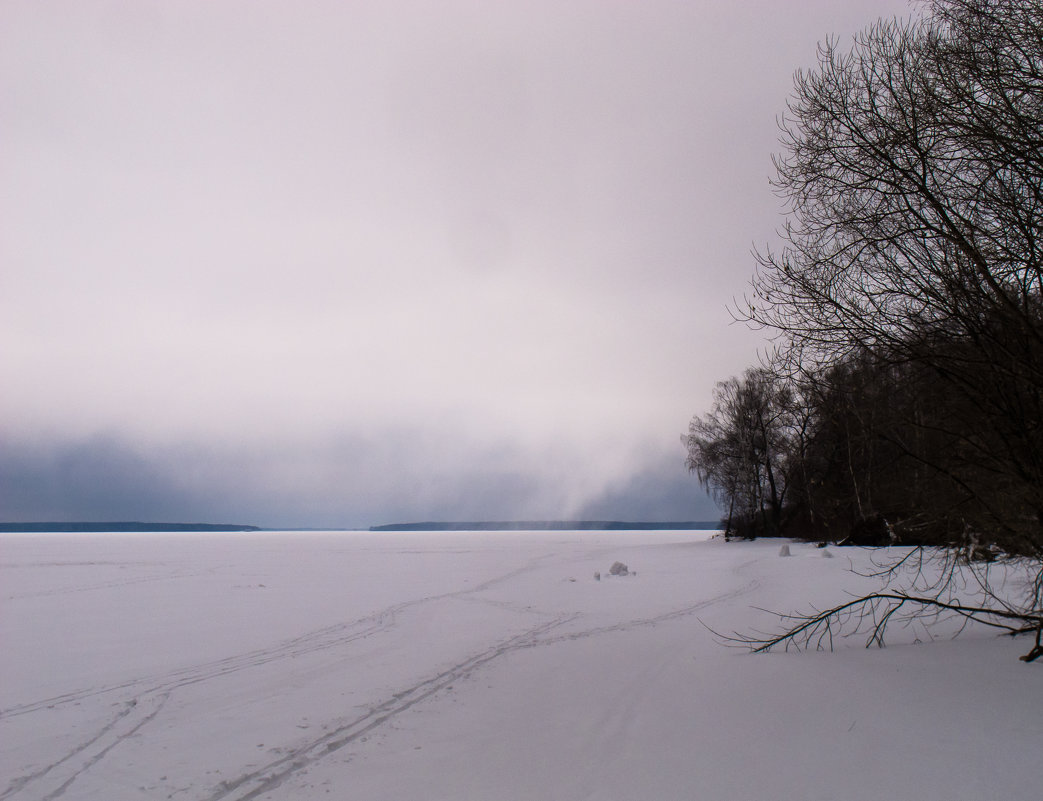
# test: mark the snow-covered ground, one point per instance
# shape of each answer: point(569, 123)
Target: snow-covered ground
point(479, 666)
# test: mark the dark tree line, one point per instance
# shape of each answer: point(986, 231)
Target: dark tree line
point(863, 452)
point(739, 451)
point(904, 402)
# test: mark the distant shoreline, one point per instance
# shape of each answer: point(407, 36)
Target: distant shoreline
point(552, 525)
point(67, 527)
point(115, 527)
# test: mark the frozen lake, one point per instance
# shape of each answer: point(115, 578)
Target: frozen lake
point(477, 666)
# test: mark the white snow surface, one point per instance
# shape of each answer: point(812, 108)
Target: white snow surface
point(481, 666)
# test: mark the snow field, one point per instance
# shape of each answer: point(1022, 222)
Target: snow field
point(479, 666)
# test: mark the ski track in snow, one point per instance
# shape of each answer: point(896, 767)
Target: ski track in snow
point(105, 585)
point(327, 637)
point(270, 776)
point(61, 774)
point(151, 693)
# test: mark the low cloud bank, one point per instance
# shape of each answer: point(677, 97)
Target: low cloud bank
point(353, 480)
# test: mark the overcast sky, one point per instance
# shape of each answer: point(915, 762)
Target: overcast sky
point(349, 263)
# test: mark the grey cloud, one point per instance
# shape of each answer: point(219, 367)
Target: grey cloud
point(346, 481)
point(660, 492)
point(231, 237)
point(90, 480)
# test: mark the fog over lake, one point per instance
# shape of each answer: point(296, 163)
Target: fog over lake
point(349, 263)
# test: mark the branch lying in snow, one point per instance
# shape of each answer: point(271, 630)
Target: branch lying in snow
point(874, 612)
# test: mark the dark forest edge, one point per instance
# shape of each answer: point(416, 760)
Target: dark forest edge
point(903, 399)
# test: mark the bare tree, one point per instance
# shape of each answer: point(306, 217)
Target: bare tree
point(923, 586)
point(913, 172)
point(740, 450)
point(907, 300)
